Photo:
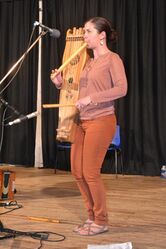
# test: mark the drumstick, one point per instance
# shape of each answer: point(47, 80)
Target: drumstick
point(43, 219)
point(57, 105)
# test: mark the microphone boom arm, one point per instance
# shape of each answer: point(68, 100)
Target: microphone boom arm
point(13, 67)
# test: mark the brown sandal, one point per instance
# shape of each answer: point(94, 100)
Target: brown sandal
point(87, 223)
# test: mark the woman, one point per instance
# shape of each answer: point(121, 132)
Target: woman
point(102, 81)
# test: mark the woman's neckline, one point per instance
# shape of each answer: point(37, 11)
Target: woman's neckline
point(101, 55)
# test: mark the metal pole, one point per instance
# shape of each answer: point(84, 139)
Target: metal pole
point(38, 139)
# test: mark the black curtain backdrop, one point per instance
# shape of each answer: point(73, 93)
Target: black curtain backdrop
point(16, 24)
point(141, 25)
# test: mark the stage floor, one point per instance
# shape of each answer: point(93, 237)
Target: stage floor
point(52, 202)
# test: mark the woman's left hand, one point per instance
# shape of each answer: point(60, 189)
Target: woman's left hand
point(81, 103)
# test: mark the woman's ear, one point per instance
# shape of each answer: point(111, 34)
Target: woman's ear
point(102, 35)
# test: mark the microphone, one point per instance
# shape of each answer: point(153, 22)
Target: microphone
point(9, 106)
point(22, 118)
point(53, 32)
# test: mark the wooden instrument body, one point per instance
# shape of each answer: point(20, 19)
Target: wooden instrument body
point(68, 113)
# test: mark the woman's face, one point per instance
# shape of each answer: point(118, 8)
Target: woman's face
point(91, 35)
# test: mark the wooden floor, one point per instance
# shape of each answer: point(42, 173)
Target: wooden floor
point(136, 205)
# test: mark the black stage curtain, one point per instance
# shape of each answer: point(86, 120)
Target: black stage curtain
point(141, 114)
point(16, 24)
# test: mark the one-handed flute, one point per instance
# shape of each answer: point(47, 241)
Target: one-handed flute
point(68, 61)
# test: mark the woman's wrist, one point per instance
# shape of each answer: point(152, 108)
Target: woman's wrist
point(58, 85)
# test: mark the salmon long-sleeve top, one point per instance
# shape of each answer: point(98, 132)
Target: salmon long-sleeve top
point(104, 80)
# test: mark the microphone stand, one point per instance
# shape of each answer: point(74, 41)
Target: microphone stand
point(9, 72)
point(22, 57)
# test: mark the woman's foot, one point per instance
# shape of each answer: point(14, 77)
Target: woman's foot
point(87, 223)
point(92, 229)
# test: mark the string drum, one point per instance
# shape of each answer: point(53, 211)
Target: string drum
point(74, 59)
point(68, 116)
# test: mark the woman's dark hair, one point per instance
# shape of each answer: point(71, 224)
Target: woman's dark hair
point(102, 24)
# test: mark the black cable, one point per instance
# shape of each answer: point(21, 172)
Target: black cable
point(2, 129)
point(39, 235)
point(45, 235)
point(12, 205)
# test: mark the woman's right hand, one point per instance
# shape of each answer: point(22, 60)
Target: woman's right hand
point(56, 78)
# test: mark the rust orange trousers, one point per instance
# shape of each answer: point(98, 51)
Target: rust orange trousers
point(87, 155)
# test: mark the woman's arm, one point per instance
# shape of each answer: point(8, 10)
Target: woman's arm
point(57, 80)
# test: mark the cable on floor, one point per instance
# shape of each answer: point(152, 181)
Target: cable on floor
point(12, 205)
point(39, 235)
